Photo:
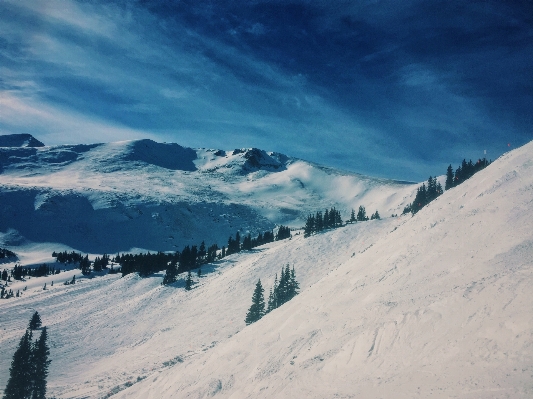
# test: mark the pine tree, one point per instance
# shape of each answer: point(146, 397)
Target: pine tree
point(171, 274)
point(309, 226)
point(352, 217)
point(40, 366)
point(85, 266)
point(35, 321)
point(319, 222)
point(449, 178)
point(361, 214)
point(188, 282)
point(294, 287)
point(257, 310)
point(19, 385)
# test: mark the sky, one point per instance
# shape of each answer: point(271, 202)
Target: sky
point(387, 88)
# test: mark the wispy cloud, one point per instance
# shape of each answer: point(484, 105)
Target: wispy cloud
point(365, 85)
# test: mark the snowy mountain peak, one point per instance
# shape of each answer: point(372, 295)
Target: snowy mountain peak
point(19, 140)
point(161, 196)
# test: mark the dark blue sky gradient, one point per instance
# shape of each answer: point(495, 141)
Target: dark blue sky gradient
point(381, 87)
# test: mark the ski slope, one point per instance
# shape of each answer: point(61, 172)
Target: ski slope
point(439, 307)
point(435, 305)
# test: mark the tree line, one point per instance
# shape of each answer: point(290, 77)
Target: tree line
point(19, 272)
point(331, 219)
point(192, 258)
point(29, 367)
point(426, 194)
point(283, 291)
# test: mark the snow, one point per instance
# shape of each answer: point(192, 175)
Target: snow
point(435, 305)
point(98, 198)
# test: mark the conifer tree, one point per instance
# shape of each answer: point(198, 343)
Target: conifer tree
point(35, 321)
point(294, 287)
point(19, 385)
point(361, 214)
point(449, 178)
point(270, 304)
point(352, 217)
point(188, 282)
point(257, 310)
point(309, 226)
point(40, 366)
point(319, 222)
point(171, 274)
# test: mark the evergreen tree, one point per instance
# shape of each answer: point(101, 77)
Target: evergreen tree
point(171, 274)
point(327, 220)
point(375, 216)
point(294, 287)
point(257, 310)
point(309, 226)
point(188, 282)
point(19, 385)
point(40, 366)
point(319, 222)
point(361, 214)
point(420, 199)
point(338, 219)
point(201, 253)
point(352, 217)
point(35, 321)
point(85, 266)
point(449, 178)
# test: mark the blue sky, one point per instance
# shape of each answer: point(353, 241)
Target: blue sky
point(388, 88)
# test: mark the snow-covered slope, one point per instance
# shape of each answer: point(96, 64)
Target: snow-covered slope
point(437, 305)
point(141, 194)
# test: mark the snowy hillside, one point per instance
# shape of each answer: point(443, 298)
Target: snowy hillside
point(439, 307)
point(435, 305)
point(105, 198)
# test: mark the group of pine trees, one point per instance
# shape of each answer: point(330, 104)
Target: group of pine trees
point(192, 257)
point(424, 195)
point(283, 291)
point(248, 242)
point(332, 219)
point(29, 367)
point(465, 171)
point(65, 257)
point(361, 215)
point(318, 222)
point(19, 272)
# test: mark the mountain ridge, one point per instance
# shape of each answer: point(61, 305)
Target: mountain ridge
point(178, 195)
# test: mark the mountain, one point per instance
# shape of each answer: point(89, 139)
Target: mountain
point(106, 198)
point(435, 305)
point(19, 140)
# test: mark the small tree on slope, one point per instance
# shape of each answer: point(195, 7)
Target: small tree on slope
point(257, 310)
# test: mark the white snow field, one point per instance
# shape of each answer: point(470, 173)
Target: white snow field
point(436, 305)
point(439, 307)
